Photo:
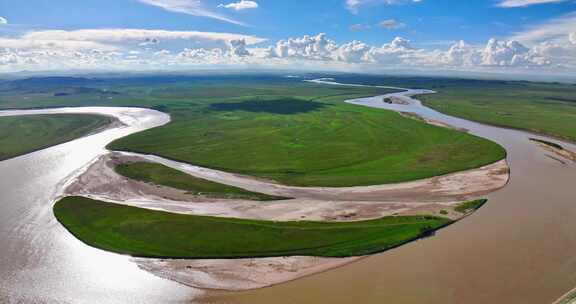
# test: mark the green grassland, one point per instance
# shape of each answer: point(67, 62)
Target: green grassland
point(541, 108)
point(148, 233)
point(286, 130)
point(470, 206)
point(25, 134)
point(169, 94)
point(161, 175)
point(546, 108)
point(319, 142)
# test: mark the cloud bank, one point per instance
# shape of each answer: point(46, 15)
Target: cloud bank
point(401, 53)
point(127, 36)
point(147, 50)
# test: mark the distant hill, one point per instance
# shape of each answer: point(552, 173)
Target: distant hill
point(51, 82)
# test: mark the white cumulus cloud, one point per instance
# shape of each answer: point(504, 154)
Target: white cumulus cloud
point(321, 48)
point(401, 53)
point(240, 5)
point(506, 53)
point(354, 52)
point(3, 21)
point(495, 53)
point(112, 49)
point(398, 51)
point(137, 49)
point(317, 47)
point(233, 53)
point(461, 54)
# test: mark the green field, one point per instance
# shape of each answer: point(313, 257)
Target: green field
point(548, 108)
point(317, 141)
point(162, 175)
point(24, 134)
point(470, 206)
point(282, 129)
point(148, 233)
point(541, 108)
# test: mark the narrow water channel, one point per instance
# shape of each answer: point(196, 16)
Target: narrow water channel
point(519, 248)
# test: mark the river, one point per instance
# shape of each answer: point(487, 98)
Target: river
point(40, 262)
point(517, 249)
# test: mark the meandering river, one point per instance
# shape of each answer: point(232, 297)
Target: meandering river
point(519, 248)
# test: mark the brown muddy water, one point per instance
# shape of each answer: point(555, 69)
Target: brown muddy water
point(519, 248)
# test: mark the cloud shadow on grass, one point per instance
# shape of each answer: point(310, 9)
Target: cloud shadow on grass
point(284, 106)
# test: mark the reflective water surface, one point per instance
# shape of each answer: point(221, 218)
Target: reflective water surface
point(519, 248)
point(40, 262)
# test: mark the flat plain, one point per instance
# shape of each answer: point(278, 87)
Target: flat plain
point(541, 107)
point(25, 134)
point(286, 130)
point(148, 233)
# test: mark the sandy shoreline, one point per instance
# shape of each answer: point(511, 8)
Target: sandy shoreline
point(240, 274)
point(461, 185)
point(100, 181)
point(567, 298)
point(564, 154)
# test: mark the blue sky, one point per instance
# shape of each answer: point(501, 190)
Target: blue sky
point(428, 24)
point(425, 21)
